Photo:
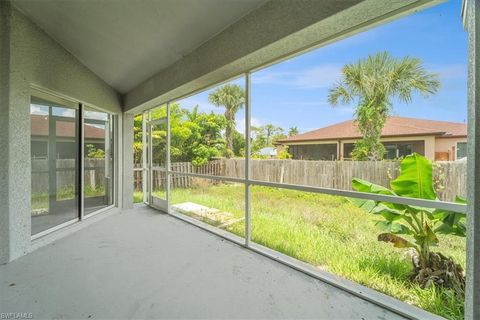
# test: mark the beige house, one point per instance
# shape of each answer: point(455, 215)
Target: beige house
point(437, 140)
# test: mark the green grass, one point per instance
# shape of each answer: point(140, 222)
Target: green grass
point(40, 200)
point(137, 196)
point(333, 235)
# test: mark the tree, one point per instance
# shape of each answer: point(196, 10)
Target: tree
point(293, 131)
point(137, 140)
point(94, 153)
point(238, 144)
point(195, 136)
point(271, 131)
point(282, 153)
point(232, 98)
point(266, 135)
point(374, 82)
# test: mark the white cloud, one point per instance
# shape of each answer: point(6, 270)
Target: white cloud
point(454, 71)
point(64, 112)
point(314, 104)
point(203, 105)
point(96, 115)
point(38, 109)
point(323, 76)
point(240, 124)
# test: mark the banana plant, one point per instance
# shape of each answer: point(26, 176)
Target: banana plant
point(409, 226)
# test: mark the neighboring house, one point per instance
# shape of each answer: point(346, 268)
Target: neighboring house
point(437, 140)
point(65, 133)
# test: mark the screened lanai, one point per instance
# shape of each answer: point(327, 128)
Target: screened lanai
point(145, 175)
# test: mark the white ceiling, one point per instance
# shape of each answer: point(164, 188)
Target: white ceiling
point(127, 41)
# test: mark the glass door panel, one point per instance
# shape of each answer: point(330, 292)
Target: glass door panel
point(98, 160)
point(156, 147)
point(158, 141)
point(54, 156)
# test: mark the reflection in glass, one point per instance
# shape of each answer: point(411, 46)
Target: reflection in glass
point(98, 161)
point(138, 147)
point(54, 156)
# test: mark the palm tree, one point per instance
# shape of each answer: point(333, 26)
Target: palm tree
point(232, 98)
point(271, 131)
point(191, 116)
point(293, 131)
point(374, 82)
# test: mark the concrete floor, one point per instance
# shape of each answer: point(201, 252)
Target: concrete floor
point(142, 264)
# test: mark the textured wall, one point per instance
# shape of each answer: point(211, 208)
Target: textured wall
point(33, 59)
point(127, 168)
point(448, 145)
point(4, 104)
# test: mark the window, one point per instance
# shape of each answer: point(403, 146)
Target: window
point(398, 150)
point(461, 150)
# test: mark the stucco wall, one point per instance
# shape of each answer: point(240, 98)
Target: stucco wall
point(446, 145)
point(34, 59)
point(4, 102)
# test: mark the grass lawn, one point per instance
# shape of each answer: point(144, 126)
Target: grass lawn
point(40, 200)
point(331, 234)
point(137, 196)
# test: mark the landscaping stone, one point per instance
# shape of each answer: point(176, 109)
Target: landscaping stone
point(204, 213)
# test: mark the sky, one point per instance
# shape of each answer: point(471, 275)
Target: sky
point(294, 92)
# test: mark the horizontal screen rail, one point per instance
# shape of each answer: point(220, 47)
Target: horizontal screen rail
point(207, 176)
point(444, 205)
point(449, 206)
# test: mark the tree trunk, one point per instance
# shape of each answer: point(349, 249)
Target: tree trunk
point(229, 132)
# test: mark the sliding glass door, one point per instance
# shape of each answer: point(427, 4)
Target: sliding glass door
point(55, 162)
point(57, 196)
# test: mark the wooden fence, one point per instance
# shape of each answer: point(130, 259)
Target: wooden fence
point(213, 168)
point(65, 171)
point(449, 177)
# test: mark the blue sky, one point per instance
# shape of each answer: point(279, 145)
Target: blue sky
point(294, 92)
